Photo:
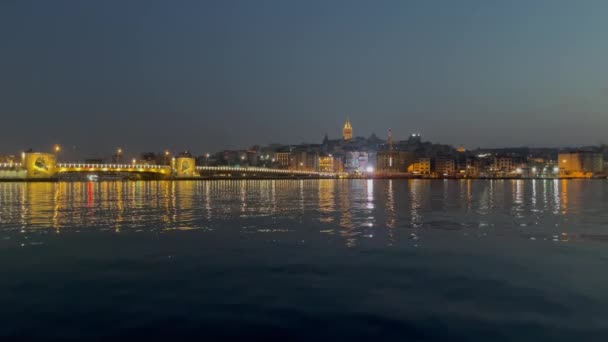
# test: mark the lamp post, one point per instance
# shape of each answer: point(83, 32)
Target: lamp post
point(118, 153)
point(166, 159)
point(56, 150)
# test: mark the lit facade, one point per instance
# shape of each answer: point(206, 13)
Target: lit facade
point(578, 163)
point(505, 164)
point(347, 131)
point(304, 161)
point(445, 166)
point(394, 161)
point(326, 164)
point(282, 159)
point(355, 161)
point(422, 166)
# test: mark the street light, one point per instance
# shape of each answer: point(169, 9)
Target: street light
point(56, 150)
point(118, 153)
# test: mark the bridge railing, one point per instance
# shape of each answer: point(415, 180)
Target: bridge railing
point(232, 169)
point(264, 170)
point(9, 165)
point(111, 166)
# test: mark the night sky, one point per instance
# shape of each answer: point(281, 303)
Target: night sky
point(210, 75)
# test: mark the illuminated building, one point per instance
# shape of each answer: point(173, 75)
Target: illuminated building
point(577, 163)
point(304, 161)
point(445, 166)
point(282, 159)
point(347, 131)
point(592, 162)
point(392, 161)
point(422, 166)
point(326, 163)
point(355, 161)
point(472, 167)
point(504, 164)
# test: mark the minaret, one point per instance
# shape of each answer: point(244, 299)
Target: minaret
point(347, 131)
point(390, 139)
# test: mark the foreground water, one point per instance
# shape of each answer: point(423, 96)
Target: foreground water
point(408, 260)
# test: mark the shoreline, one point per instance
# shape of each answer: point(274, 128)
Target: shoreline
point(55, 180)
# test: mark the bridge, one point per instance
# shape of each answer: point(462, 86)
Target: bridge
point(43, 166)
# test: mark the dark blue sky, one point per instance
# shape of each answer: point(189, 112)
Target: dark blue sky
point(207, 75)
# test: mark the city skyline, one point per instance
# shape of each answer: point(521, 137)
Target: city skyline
point(347, 132)
point(150, 75)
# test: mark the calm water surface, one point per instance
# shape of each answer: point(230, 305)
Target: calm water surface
point(406, 260)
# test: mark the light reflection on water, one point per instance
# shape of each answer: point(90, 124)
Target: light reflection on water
point(388, 210)
point(470, 260)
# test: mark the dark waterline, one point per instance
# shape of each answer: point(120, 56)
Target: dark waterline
point(421, 260)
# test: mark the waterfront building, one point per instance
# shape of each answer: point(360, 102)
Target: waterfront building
point(347, 131)
point(577, 164)
point(393, 161)
point(356, 161)
point(504, 164)
point(473, 167)
point(592, 162)
point(304, 161)
point(445, 166)
point(326, 163)
point(422, 166)
point(338, 164)
point(251, 157)
point(281, 159)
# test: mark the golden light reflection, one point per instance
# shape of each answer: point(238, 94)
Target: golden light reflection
point(327, 204)
point(469, 197)
point(347, 208)
point(414, 185)
point(346, 217)
point(119, 206)
point(556, 199)
point(391, 216)
point(563, 196)
point(40, 204)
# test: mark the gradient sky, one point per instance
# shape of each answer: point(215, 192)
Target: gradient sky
point(208, 75)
